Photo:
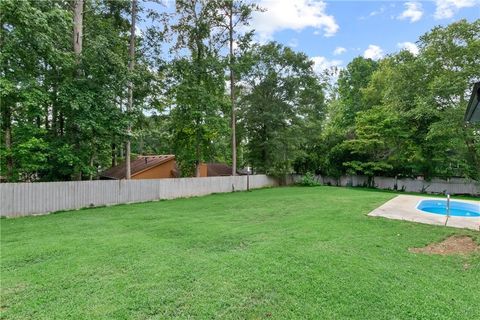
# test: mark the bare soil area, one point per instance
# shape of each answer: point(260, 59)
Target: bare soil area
point(451, 245)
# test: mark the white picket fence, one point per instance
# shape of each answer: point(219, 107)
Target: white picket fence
point(453, 186)
point(23, 199)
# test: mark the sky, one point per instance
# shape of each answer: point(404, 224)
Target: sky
point(332, 33)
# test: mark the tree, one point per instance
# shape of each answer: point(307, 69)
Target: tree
point(64, 68)
point(237, 15)
point(29, 49)
point(77, 49)
point(282, 95)
point(451, 57)
point(131, 66)
point(197, 94)
point(77, 28)
point(409, 114)
point(350, 84)
point(380, 135)
point(63, 104)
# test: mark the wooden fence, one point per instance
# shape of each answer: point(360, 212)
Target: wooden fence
point(22, 199)
point(453, 186)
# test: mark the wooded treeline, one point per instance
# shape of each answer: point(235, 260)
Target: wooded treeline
point(198, 75)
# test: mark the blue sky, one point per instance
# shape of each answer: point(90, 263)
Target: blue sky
point(334, 32)
point(366, 28)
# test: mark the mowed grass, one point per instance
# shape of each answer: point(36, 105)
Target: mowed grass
point(284, 253)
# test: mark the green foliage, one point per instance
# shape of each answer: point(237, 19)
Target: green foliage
point(308, 180)
point(282, 103)
point(62, 116)
point(351, 81)
point(198, 117)
point(404, 114)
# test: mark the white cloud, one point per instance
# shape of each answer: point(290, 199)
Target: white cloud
point(409, 46)
point(339, 51)
point(321, 63)
point(373, 52)
point(413, 11)
point(374, 13)
point(294, 15)
point(448, 8)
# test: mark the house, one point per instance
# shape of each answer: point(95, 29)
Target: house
point(473, 109)
point(145, 167)
point(162, 166)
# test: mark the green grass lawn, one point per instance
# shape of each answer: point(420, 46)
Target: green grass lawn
point(279, 253)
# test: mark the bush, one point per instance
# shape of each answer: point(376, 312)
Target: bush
point(308, 180)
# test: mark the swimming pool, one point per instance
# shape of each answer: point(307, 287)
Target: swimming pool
point(457, 208)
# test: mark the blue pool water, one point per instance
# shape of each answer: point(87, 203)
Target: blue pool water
point(457, 208)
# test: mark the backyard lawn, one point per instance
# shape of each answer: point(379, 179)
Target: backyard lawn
point(281, 253)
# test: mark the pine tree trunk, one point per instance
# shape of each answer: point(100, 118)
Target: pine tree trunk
point(7, 127)
point(131, 66)
point(232, 94)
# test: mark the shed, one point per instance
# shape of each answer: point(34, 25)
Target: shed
point(215, 170)
point(145, 167)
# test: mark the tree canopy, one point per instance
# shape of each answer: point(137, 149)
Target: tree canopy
point(206, 92)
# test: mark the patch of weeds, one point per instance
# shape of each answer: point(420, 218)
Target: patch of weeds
point(309, 180)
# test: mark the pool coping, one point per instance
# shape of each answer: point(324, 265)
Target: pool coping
point(404, 207)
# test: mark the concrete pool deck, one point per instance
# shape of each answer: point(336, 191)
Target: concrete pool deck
point(405, 208)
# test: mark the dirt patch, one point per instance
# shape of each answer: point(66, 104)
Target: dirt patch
point(451, 245)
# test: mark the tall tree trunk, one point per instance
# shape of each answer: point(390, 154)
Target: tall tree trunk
point(141, 145)
point(54, 121)
point(53, 126)
point(78, 28)
point(47, 88)
point(77, 49)
point(47, 113)
point(197, 162)
point(131, 66)
point(92, 156)
point(61, 121)
point(114, 155)
point(7, 127)
point(232, 92)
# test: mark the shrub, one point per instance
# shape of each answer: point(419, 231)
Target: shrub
point(308, 180)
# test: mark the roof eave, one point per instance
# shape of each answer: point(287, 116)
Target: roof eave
point(473, 109)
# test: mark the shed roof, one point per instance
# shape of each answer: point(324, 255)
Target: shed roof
point(218, 169)
point(221, 169)
point(473, 109)
point(142, 163)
